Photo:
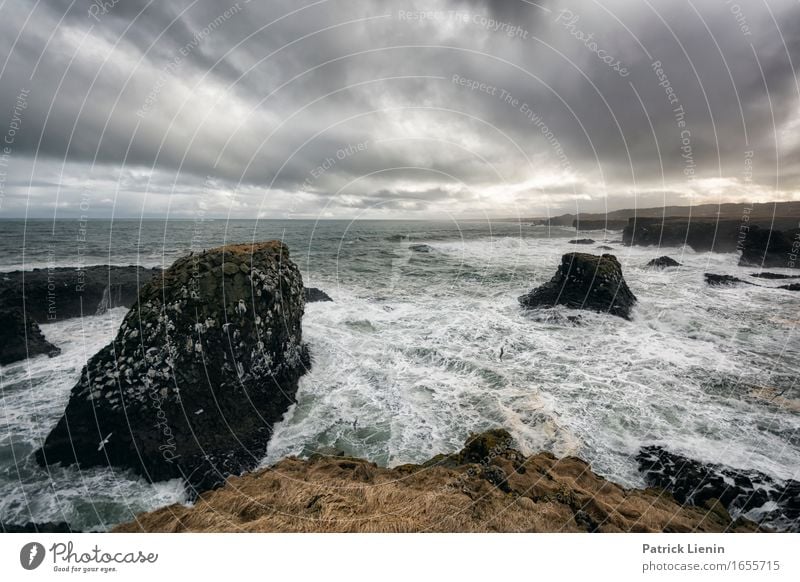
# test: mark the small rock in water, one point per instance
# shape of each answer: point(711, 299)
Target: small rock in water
point(420, 248)
point(663, 262)
point(773, 276)
point(313, 295)
point(582, 241)
point(714, 279)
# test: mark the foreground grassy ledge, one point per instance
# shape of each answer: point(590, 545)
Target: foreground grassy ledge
point(486, 487)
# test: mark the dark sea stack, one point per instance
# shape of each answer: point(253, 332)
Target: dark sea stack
point(695, 483)
point(716, 280)
point(201, 368)
point(21, 338)
point(585, 281)
point(582, 241)
point(769, 248)
point(65, 292)
point(663, 262)
point(314, 295)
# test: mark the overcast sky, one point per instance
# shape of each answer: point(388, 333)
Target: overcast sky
point(344, 108)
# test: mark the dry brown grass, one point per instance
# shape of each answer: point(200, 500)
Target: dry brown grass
point(340, 494)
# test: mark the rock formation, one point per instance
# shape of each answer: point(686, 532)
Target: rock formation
point(487, 487)
point(769, 248)
point(582, 241)
point(421, 248)
point(202, 367)
point(57, 294)
point(20, 337)
point(716, 280)
point(692, 482)
point(663, 262)
point(313, 295)
point(773, 276)
point(700, 234)
point(585, 281)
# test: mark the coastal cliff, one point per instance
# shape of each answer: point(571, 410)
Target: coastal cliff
point(486, 487)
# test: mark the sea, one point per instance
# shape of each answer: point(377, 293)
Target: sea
point(425, 343)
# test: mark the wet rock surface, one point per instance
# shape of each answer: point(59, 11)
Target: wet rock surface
point(21, 338)
point(740, 492)
point(488, 486)
point(61, 293)
point(763, 247)
point(314, 295)
point(582, 241)
point(663, 262)
point(201, 368)
point(773, 276)
point(585, 281)
point(717, 280)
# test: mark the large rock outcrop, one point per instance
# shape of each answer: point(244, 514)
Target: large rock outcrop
point(763, 247)
point(20, 338)
point(585, 281)
point(487, 487)
point(740, 492)
point(202, 366)
point(65, 292)
point(700, 234)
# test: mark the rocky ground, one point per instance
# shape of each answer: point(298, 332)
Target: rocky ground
point(486, 487)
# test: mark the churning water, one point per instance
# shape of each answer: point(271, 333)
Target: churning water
point(426, 344)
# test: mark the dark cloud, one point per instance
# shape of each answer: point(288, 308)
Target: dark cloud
point(476, 105)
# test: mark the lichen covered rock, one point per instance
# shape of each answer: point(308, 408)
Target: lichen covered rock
point(585, 281)
point(203, 365)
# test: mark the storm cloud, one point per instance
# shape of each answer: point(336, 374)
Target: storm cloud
point(334, 108)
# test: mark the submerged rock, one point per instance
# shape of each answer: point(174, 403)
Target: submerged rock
point(773, 276)
point(582, 241)
point(663, 262)
point(313, 295)
point(585, 281)
point(421, 248)
point(740, 492)
point(768, 248)
point(714, 279)
point(487, 487)
point(202, 367)
point(21, 338)
point(604, 248)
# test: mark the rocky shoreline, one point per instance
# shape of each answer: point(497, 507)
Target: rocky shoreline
point(488, 486)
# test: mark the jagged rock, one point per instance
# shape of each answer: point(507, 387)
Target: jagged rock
point(663, 262)
point(582, 241)
point(486, 487)
point(695, 483)
point(201, 368)
point(585, 281)
point(773, 276)
point(65, 292)
point(21, 338)
point(421, 248)
point(714, 279)
point(769, 248)
point(313, 295)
